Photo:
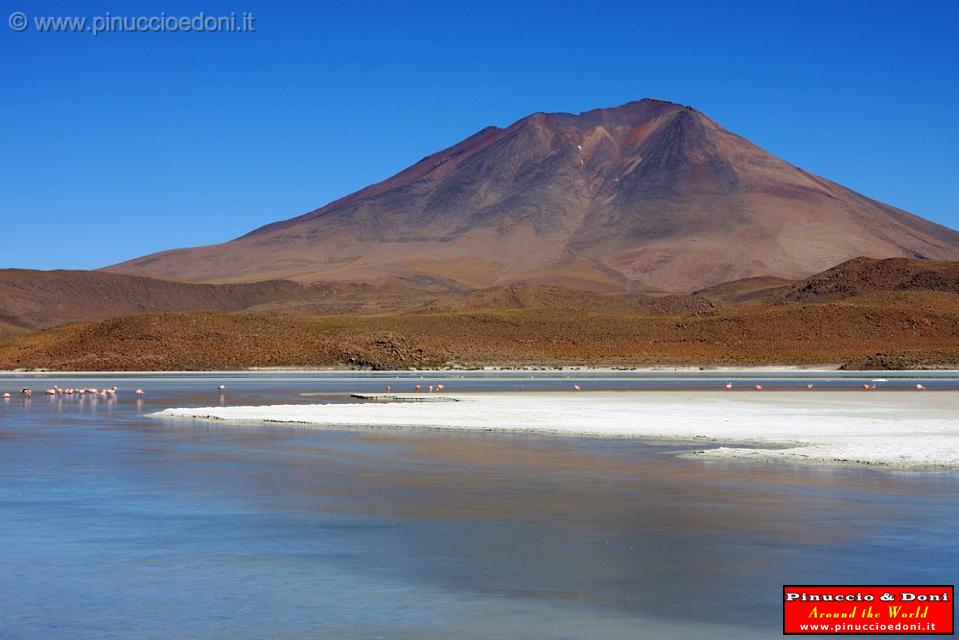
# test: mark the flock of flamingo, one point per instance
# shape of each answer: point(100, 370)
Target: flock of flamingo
point(86, 392)
point(82, 392)
point(429, 388)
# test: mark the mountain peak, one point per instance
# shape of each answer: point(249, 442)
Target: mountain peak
point(647, 102)
point(644, 108)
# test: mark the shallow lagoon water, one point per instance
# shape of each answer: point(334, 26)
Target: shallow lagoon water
point(116, 526)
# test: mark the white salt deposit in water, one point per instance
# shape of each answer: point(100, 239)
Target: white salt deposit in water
point(902, 429)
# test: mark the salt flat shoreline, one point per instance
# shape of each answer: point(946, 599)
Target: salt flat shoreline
point(798, 371)
point(817, 368)
point(915, 431)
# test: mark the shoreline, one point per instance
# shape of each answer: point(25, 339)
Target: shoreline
point(899, 431)
point(719, 372)
point(522, 369)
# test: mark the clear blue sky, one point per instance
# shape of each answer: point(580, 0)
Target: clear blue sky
point(127, 143)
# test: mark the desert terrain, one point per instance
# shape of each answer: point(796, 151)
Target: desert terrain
point(863, 314)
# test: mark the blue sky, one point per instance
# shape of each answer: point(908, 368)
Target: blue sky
point(126, 143)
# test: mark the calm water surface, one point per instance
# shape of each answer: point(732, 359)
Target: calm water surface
point(115, 525)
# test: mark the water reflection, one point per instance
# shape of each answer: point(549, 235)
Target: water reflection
point(111, 522)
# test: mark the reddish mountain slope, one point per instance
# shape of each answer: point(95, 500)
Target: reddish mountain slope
point(647, 196)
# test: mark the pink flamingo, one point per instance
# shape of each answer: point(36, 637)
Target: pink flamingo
point(728, 386)
point(576, 387)
point(389, 388)
point(919, 387)
point(440, 387)
point(431, 388)
point(418, 387)
point(139, 393)
point(759, 387)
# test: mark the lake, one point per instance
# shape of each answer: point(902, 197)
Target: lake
point(116, 525)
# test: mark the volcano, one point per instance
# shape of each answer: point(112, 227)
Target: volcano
point(649, 196)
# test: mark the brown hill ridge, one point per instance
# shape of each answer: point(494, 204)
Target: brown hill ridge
point(32, 300)
point(37, 299)
point(865, 275)
point(864, 313)
point(648, 196)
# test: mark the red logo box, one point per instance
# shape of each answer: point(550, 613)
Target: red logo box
point(868, 609)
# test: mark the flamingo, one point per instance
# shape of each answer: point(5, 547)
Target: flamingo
point(576, 387)
point(51, 392)
point(868, 387)
point(221, 388)
point(431, 388)
point(26, 393)
point(418, 387)
point(440, 387)
point(919, 387)
point(759, 387)
point(809, 386)
point(139, 393)
point(6, 396)
point(389, 388)
point(728, 386)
